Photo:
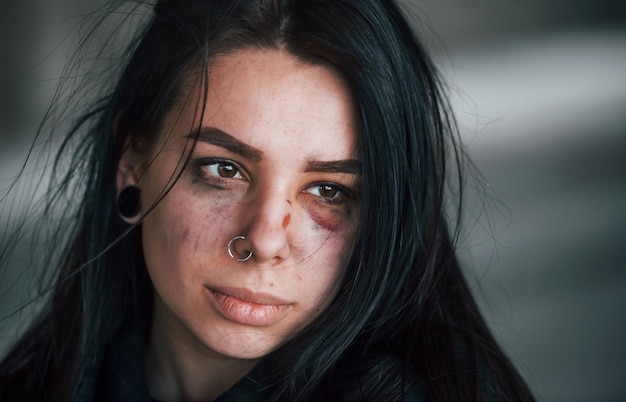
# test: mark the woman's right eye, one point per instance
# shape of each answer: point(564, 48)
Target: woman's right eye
point(223, 169)
point(218, 171)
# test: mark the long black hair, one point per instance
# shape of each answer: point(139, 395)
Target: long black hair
point(404, 317)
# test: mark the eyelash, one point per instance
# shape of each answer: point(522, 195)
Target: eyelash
point(342, 194)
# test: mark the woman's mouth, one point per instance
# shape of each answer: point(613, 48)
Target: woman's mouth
point(245, 307)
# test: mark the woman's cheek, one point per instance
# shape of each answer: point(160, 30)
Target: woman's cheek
point(332, 218)
point(207, 195)
point(190, 217)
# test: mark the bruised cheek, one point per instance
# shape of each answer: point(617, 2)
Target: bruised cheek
point(181, 227)
point(328, 217)
point(198, 230)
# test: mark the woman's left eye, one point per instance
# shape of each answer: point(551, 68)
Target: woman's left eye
point(329, 192)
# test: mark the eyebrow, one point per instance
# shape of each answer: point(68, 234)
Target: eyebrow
point(219, 138)
point(343, 166)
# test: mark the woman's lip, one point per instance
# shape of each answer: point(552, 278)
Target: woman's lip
point(245, 307)
point(250, 296)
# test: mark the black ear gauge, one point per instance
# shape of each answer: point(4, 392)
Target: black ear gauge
point(129, 202)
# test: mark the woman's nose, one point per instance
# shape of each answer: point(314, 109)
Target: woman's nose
point(268, 218)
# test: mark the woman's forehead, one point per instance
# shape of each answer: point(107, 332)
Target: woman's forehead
point(269, 97)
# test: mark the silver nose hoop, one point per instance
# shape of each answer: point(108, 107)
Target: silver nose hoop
point(230, 249)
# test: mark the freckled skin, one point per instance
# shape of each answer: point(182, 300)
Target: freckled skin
point(184, 234)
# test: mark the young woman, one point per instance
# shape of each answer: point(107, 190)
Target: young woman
point(261, 217)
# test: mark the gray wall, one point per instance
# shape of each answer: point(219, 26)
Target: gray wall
point(539, 90)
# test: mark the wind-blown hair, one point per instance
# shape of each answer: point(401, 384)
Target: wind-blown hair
point(404, 317)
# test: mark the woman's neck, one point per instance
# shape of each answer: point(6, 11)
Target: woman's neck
point(179, 367)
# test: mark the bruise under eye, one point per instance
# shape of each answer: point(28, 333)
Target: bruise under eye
point(327, 212)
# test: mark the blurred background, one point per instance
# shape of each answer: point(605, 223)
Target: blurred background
point(539, 91)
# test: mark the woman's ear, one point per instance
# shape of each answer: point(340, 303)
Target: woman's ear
point(128, 190)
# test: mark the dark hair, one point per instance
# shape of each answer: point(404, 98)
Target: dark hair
point(404, 317)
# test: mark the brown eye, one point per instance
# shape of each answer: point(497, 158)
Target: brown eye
point(223, 169)
point(226, 170)
point(328, 191)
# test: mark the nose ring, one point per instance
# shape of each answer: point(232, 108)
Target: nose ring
point(230, 251)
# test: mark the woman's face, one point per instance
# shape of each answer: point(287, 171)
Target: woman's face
point(276, 161)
